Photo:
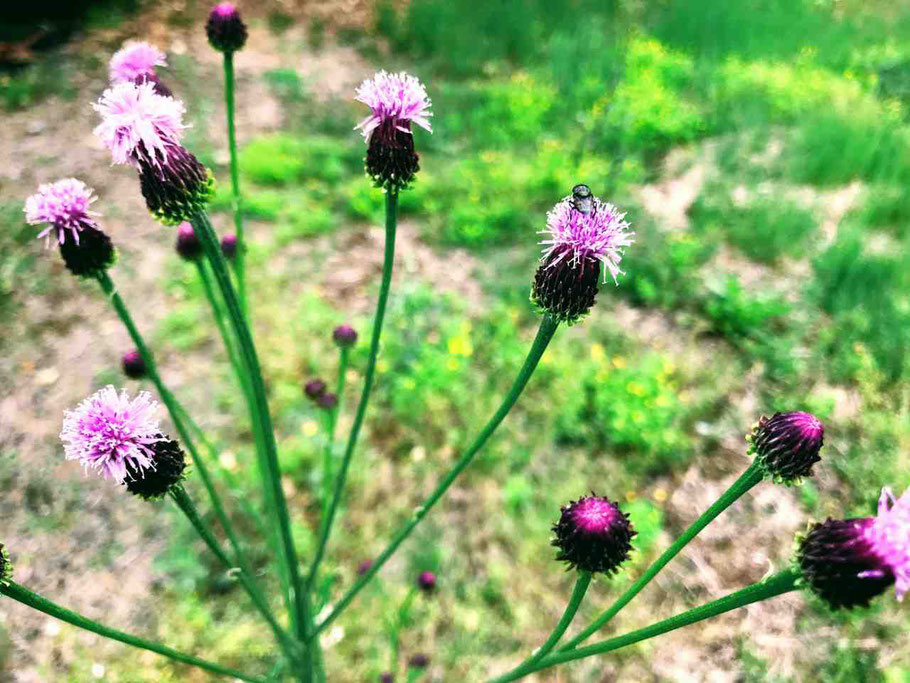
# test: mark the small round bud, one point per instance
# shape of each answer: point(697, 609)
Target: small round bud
point(419, 661)
point(314, 388)
point(188, 245)
point(133, 365)
point(92, 255)
point(327, 400)
point(593, 535)
point(364, 567)
point(225, 29)
point(345, 336)
point(386, 677)
point(167, 469)
point(786, 445)
point(6, 568)
point(229, 246)
point(426, 581)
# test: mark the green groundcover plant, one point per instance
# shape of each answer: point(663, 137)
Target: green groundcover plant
point(844, 562)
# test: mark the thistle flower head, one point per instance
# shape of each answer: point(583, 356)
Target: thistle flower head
point(582, 233)
point(345, 336)
point(426, 581)
point(6, 568)
point(138, 125)
point(167, 469)
point(112, 433)
point(850, 561)
point(65, 206)
point(225, 29)
point(593, 535)
point(133, 365)
point(229, 246)
point(188, 245)
point(395, 101)
point(134, 59)
point(786, 445)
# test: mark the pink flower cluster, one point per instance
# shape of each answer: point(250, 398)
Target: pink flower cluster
point(135, 59)
point(64, 206)
point(889, 537)
point(395, 101)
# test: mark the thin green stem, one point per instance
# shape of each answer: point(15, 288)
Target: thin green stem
point(578, 594)
point(748, 479)
point(331, 424)
point(239, 261)
point(261, 418)
point(777, 584)
point(185, 503)
point(544, 334)
point(391, 223)
point(26, 597)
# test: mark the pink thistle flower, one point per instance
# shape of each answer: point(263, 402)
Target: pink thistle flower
point(135, 59)
point(138, 125)
point(64, 206)
point(395, 101)
point(112, 433)
point(889, 538)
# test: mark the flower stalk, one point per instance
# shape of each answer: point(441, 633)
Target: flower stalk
point(331, 424)
point(239, 261)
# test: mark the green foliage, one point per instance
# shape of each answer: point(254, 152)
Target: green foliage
point(279, 159)
point(32, 84)
point(738, 315)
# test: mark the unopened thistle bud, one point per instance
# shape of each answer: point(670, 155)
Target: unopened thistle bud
point(64, 207)
point(386, 677)
point(584, 236)
point(229, 246)
point(786, 445)
point(848, 562)
point(419, 661)
point(426, 581)
point(133, 365)
point(345, 336)
point(314, 388)
point(225, 29)
point(593, 535)
point(188, 245)
point(364, 567)
point(396, 101)
point(6, 567)
point(143, 129)
point(327, 400)
point(167, 469)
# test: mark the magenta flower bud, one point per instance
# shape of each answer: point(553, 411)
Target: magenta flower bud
point(345, 336)
point(848, 562)
point(112, 433)
point(584, 236)
point(133, 365)
point(364, 567)
point(426, 581)
point(314, 388)
point(225, 29)
point(167, 469)
point(786, 445)
point(386, 677)
point(229, 246)
point(188, 245)
point(419, 661)
point(327, 400)
point(6, 567)
point(395, 101)
point(593, 535)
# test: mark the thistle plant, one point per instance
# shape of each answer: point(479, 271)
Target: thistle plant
point(117, 434)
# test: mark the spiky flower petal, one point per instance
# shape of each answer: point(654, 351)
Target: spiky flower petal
point(112, 433)
point(65, 206)
point(593, 535)
point(134, 59)
point(787, 445)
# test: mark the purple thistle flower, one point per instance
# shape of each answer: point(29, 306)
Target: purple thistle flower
point(225, 29)
point(64, 206)
point(395, 101)
point(112, 433)
point(787, 445)
point(345, 336)
point(314, 388)
point(848, 562)
point(188, 245)
point(582, 233)
point(229, 246)
point(133, 365)
point(135, 59)
point(593, 535)
point(426, 581)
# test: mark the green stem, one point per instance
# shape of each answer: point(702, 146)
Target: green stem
point(748, 479)
point(185, 503)
point(578, 594)
point(544, 334)
point(26, 597)
point(391, 222)
point(239, 261)
point(332, 423)
point(777, 584)
point(261, 418)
